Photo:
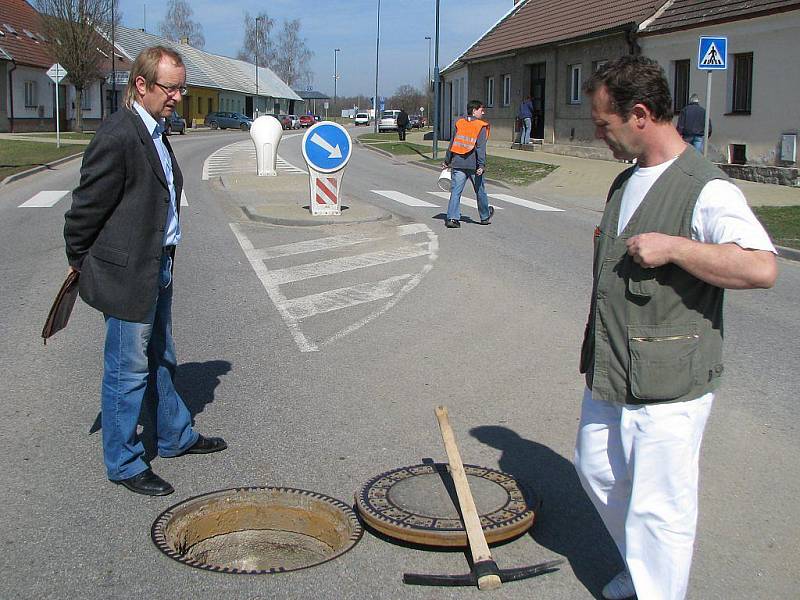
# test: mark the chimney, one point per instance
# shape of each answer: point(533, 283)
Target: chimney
point(185, 39)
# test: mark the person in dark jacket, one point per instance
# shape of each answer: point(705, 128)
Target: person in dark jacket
point(692, 122)
point(402, 125)
point(525, 114)
point(121, 233)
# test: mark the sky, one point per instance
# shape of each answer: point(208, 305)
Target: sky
point(349, 25)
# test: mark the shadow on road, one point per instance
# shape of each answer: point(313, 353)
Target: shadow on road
point(567, 522)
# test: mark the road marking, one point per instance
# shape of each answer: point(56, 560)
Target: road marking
point(184, 201)
point(44, 199)
point(525, 203)
point(240, 157)
point(403, 198)
point(464, 200)
point(294, 310)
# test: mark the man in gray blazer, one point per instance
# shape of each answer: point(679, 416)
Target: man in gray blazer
point(121, 233)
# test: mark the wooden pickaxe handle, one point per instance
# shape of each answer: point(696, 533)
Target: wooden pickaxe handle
point(472, 522)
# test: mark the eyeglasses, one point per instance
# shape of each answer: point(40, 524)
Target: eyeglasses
point(171, 90)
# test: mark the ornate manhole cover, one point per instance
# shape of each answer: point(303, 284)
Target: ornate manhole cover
point(254, 530)
point(418, 504)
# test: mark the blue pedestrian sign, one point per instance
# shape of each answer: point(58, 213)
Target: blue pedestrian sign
point(712, 54)
point(327, 147)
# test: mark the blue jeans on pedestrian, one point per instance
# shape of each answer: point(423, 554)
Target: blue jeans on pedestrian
point(458, 179)
point(135, 353)
point(697, 142)
point(526, 131)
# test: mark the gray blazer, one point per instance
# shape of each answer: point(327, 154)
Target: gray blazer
point(114, 230)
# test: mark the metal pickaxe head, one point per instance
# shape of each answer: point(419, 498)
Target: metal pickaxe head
point(484, 571)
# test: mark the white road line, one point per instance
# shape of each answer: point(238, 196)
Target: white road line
point(464, 200)
point(338, 241)
point(315, 304)
point(184, 201)
point(403, 198)
point(344, 264)
point(44, 199)
point(525, 203)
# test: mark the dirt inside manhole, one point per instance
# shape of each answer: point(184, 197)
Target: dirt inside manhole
point(257, 530)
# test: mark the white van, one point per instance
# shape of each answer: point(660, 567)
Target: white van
point(388, 120)
point(361, 119)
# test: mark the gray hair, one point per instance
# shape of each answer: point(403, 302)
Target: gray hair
point(694, 99)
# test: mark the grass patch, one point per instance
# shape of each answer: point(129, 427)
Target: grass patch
point(17, 156)
point(512, 171)
point(65, 135)
point(782, 223)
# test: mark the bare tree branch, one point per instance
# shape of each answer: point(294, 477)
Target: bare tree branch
point(258, 46)
point(292, 56)
point(178, 24)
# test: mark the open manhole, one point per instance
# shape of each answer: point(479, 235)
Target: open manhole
point(255, 530)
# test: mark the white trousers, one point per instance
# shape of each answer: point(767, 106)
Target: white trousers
point(639, 466)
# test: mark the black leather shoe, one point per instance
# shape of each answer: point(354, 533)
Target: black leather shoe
point(205, 445)
point(147, 483)
point(489, 220)
point(452, 224)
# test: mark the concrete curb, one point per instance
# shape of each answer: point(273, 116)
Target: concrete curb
point(312, 221)
point(35, 170)
point(788, 253)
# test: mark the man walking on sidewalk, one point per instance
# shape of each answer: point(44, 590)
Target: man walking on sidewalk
point(121, 233)
point(466, 157)
point(674, 234)
point(402, 124)
point(692, 122)
point(526, 116)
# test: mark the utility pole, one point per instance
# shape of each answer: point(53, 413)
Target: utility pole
point(335, 77)
point(428, 87)
point(436, 97)
point(375, 101)
point(258, 29)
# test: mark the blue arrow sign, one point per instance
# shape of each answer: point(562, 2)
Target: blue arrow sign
point(327, 147)
point(712, 55)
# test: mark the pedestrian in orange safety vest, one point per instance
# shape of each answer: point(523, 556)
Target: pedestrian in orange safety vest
point(466, 157)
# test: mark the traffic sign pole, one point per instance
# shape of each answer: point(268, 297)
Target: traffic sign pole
point(708, 113)
point(58, 132)
point(56, 73)
point(326, 149)
point(712, 55)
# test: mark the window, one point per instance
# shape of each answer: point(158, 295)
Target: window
point(598, 64)
point(681, 86)
point(490, 91)
point(506, 90)
point(575, 84)
point(86, 99)
point(742, 82)
point(31, 95)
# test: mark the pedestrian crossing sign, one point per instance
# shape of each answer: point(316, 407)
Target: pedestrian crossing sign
point(712, 54)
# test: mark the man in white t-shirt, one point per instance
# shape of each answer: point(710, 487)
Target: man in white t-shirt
point(675, 233)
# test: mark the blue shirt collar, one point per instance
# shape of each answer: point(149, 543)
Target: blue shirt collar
point(155, 128)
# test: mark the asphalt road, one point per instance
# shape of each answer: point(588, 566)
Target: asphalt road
point(485, 320)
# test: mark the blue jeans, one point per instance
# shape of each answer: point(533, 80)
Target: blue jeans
point(133, 353)
point(697, 142)
point(457, 182)
point(526, 131)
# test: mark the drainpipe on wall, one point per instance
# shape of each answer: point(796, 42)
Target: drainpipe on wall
point(633, 41)
point(11, 97)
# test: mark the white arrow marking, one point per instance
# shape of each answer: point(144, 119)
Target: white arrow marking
point(334, 152)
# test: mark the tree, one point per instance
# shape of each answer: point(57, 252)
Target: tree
point(292, 56)
point(179, 24)
point(71, 27)
point(408, 98)
point(258, 47)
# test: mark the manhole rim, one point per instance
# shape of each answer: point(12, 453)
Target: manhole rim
point(159, 539)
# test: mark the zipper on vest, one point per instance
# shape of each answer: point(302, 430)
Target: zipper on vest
point(670, 338)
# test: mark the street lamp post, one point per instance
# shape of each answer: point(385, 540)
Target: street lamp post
point(113, 62)
point(377, 55)
point(436, 98)
point(428, 87)
point(335, 77)
point(258, 20)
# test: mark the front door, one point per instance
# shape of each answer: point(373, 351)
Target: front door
point(537, 95)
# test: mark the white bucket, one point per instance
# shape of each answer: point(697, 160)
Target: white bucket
point(445, 180)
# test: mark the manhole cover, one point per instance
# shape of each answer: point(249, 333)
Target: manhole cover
point(255, 530)
point(418, 504)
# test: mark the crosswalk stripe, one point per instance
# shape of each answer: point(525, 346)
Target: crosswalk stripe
point(44, 199)
point(525, 203)
point(403, 198)
point(341, 265)
point(327, 243)
point(314, 304)
point(464, 200)
point(184, 201)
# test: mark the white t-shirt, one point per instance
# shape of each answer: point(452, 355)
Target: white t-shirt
point(720, 216)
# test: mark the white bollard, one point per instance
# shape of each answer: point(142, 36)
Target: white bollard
point(266, 132)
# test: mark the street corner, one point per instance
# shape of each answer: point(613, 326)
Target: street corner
point(296, 212)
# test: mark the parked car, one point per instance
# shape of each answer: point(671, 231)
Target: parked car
point(307, 120)
point(361, 119)
point(286, 121)
point(295, 121)
point(224, 120)
point(388, 120)
point(174, 123)
point(415, 122)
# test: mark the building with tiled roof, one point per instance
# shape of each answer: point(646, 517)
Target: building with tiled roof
point(547, 48)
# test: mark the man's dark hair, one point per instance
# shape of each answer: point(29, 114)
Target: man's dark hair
point(632, 80)
point(473, 106)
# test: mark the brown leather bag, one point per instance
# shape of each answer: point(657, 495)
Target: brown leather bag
point(58, 317)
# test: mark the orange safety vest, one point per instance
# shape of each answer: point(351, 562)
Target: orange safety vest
point(466, 136)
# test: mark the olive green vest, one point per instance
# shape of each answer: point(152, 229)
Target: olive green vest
point(653, 335)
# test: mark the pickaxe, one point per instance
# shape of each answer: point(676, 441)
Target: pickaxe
point(485, 572)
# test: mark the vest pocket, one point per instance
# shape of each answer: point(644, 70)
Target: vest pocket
point(661, 360)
